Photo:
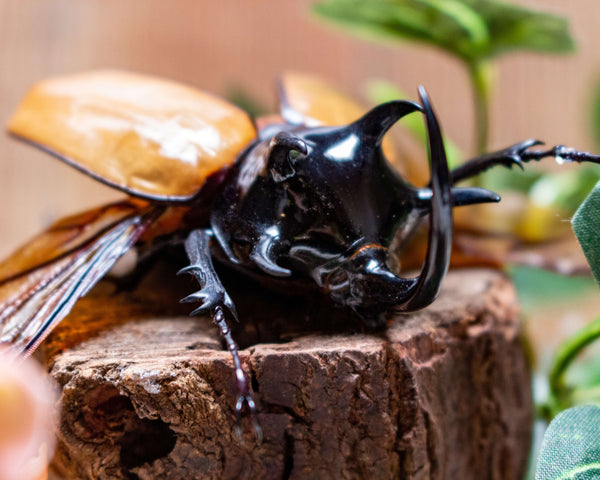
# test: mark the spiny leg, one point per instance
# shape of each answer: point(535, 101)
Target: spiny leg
point(216, 301)
point(517, 155)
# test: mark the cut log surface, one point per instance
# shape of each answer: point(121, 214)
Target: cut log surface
point(149, 393)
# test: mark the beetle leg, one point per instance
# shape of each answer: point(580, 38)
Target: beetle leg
point(517, 155)
point(216, 300)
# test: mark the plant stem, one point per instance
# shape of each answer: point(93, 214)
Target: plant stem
point(481, 73)
point(565, 356)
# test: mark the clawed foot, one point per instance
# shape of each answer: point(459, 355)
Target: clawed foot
point(507, 157)
point(245, 403)
point(212, 295)
point(513, 155)
point(216, 302)
point(520, 153)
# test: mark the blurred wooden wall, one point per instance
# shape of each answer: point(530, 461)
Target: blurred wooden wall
point(217, 45)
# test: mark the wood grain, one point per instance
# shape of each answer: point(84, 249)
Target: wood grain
point(443, 393)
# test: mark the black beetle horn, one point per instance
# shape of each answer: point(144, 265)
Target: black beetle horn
point(264, 254)
point(380, 119)
point(440, 224)
point(461, 196)
point(279, 149)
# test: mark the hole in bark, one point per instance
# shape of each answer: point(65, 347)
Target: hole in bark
point(106, 413)
point(254, 381)
point(288, 456)
point(150, 440)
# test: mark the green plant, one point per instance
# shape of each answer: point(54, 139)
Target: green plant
point(571, 446)
point(474, 31)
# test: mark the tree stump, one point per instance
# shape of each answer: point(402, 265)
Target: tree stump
point(149, 393)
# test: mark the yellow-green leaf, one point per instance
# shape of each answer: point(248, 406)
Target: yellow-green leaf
point(571, 446)
point(586, 224)
point(470, 29)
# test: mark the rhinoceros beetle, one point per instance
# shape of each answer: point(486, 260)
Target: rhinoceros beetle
point(307, 198)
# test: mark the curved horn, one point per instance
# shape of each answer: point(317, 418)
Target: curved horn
point(264, 253)
point(380, 119)
point(279, 148)
point(440, 224)
point(364, 281)
point(287, 141)
point(461, 196)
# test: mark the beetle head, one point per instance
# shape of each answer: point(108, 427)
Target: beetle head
point(324, 203)
point(339, 186)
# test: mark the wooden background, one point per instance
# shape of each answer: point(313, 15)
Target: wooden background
point(217, 45)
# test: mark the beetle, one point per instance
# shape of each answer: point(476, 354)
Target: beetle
point(308, 198)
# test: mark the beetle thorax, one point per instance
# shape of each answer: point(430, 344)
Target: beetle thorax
point(303, 203)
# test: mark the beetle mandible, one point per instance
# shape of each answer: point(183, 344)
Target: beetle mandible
point(308, 198)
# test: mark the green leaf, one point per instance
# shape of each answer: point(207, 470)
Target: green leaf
point(513, 27)
point(571, 446)
point(581, 387)
point(584, 374)
point(565, 190)
point(537, 287)
point(381, 91)
point(470, 29)
point(512, 180)
point(586, 224)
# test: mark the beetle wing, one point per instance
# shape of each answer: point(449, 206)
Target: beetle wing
point(309, 100)
point(41, 282)
point(149, 137)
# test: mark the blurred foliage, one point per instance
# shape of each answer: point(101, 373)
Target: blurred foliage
point(472, 30)
point(582, 385)
point(586, 224)
point(536, 287)
point(246, 101)
point(564, 190)
point(571, 446)
point(381, 91)
point(549, 197)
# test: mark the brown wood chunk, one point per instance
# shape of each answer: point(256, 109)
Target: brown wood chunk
point(444, 393)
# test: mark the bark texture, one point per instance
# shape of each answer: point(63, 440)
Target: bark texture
point(441, 394)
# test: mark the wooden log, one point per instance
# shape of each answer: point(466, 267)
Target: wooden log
point(148, 393)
